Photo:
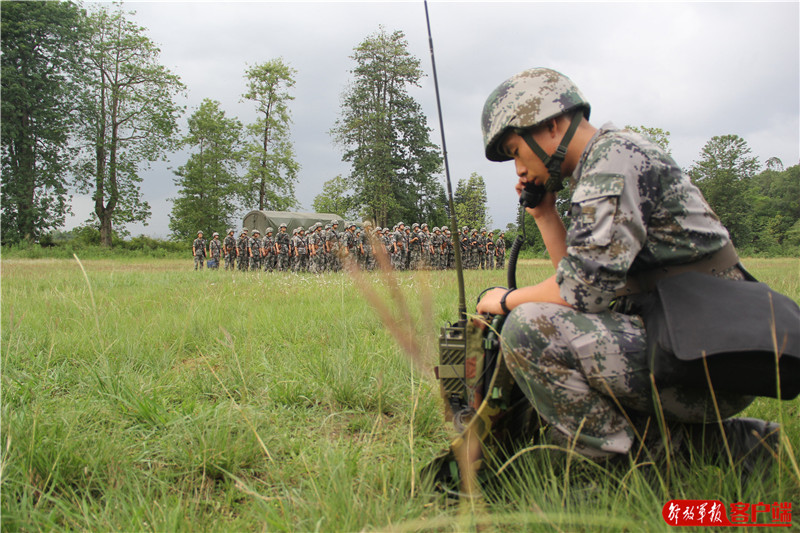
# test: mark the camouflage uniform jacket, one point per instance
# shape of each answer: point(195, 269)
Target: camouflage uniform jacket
point(254, 245)
point(199, 246)
point(283, 241)
point(633, 209)
point(215, 248)
point(300, 245)
point(229, 244)
point(268, 243)
point(242, 245)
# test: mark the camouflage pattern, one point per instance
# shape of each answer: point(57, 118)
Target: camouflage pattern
point(243, 255)
point(570, 363)
point(490, 251)
point(300, 245)
point(199, 249)
point(282, 242)
point(524, 100)
point(269, 257)
point(215, 250)
point(229, 248)
point(399, 247)
point(415, 248)
point(332, 249)
point(254, 249)
point(500, 251)
point(633, 209)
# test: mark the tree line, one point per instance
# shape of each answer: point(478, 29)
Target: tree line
point(87, 106)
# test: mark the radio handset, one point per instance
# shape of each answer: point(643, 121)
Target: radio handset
point(532, 195)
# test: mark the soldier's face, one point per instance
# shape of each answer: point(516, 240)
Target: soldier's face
point(528, 166)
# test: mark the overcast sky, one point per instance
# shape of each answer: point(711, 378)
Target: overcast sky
point(694, 69)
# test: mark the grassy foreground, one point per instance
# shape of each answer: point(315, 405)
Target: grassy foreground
point(139, 395)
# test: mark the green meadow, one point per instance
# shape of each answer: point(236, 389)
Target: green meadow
point(140, 395)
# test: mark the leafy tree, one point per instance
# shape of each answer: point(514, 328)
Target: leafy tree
point(723, 174)
point(657, 135)
point(128, 118)
point(40, 45)
point(384, 135)
point(335, 198)
point(272, 167)
point(469, 201)
point(209, 181)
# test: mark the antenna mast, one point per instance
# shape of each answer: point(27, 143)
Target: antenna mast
point(462, 306)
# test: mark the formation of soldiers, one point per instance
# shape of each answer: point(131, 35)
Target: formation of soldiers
point(324, 246)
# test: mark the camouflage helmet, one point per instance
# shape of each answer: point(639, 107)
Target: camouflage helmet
point(215, 234)
point(424, 226)
point(414, 225)
point(483, 230)
point(200, 232)
point(464, 228)
point(230, 230)
point(282, 226)
point(256, 232)
point(524, 100)
point(300, 228)
point(327, 226)
point(244, 230)
point(269, 230)
point(435, 229)
point(334, 222)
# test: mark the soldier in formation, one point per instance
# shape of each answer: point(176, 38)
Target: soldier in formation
point(215, 251)
point(322, 248)
point(199, 251)
point(230, 250)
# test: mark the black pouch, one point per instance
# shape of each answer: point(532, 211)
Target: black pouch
point(748, 334)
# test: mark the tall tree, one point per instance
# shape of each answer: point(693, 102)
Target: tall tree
point(335, 198)
point(723, 174)
point(128, 117)
point(384, 135)
point(40, 45)
point(209, 181)
point(272, 173)
point(469, 201)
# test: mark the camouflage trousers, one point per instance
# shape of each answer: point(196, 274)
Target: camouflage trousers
point(255, 263)
point(283, 262)
point(229, 261)
point(580, 370)
point(501, 260)
point(199, 260)
point(489, 261)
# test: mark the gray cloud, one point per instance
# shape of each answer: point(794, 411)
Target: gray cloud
point(694, 69)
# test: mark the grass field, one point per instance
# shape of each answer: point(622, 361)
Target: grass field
point(139, 395)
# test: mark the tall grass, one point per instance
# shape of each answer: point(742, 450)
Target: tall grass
point(145, 396)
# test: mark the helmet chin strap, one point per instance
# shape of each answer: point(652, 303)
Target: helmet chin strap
point(553, 162)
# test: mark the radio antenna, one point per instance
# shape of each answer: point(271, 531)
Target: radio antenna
point(462, 305)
